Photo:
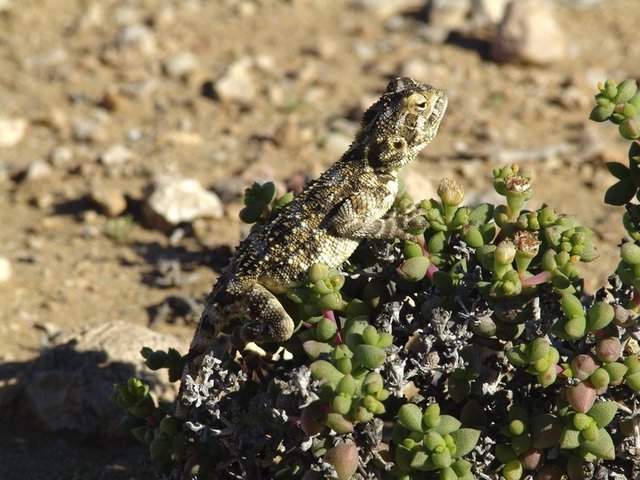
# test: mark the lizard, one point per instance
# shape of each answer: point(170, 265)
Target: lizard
point(325, 223)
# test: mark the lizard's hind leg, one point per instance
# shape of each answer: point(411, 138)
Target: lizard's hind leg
point(269, 321)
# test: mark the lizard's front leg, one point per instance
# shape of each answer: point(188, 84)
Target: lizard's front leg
point(356, 218)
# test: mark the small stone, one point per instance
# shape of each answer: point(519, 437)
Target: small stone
point(110, 200)
point(6, 271)
point(177, 200)
point(138, 37)
point(386, 8)
point(111, 100)
point(236, 84)
point(116, 156)
point(88, 129)
point(5, 5)
point(491, 10)
point(37, 170)
point(12, 131)
point(529, 33)
point(449, 14)
point(180, 66)
point(325, 48)
point(50, 58)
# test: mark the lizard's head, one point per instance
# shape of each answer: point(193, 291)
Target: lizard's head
point(402, 122)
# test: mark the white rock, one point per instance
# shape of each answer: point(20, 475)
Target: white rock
point(236, 84)
point(529, 33)
point(138, 37)
point(492, 10)
point(177, 200)
point(12, 131)
point(181, 65)
point(116, 156)
point(37, 170)
point(386, 8)
point(6, 271)
point(5, 5)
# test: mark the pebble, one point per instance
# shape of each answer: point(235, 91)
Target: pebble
point(116, 156)
point(138, 37)
point(110, 200)
point(87, 129)
point(6, 271)
point(12, 131)
point(529, 33)
point(386, 8)
point(37, 170)
point(177, 200)
point(180, 66)
point(449, 14)
point(492, 10)
point(236, 84)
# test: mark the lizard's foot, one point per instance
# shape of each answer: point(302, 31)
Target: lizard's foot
point(409, 220)
point(269, 320)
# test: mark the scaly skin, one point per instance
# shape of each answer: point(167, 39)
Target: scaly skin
point(326, 222)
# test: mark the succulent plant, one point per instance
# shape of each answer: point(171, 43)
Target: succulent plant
point(471, 351)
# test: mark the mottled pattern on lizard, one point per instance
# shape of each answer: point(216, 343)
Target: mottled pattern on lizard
point(326, 222)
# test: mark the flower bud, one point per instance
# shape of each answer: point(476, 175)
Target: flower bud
point(450, 192)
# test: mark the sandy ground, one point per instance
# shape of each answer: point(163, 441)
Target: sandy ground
point(88, 75)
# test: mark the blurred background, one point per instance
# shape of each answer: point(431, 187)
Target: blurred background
point(129, 130)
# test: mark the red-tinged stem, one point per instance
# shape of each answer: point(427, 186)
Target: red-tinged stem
point(431, 270)
point(328, 314)
point(542, 277)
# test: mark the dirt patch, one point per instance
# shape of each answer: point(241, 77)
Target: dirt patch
point(88, 76)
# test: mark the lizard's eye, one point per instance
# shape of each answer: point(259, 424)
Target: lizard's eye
point(418, 103)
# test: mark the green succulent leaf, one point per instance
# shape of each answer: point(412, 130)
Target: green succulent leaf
point(603, 412)
point(465, 440)
point(410, 417)
point(448, 424)
point(602, 446)
point(570, 439)
point(482, 214)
